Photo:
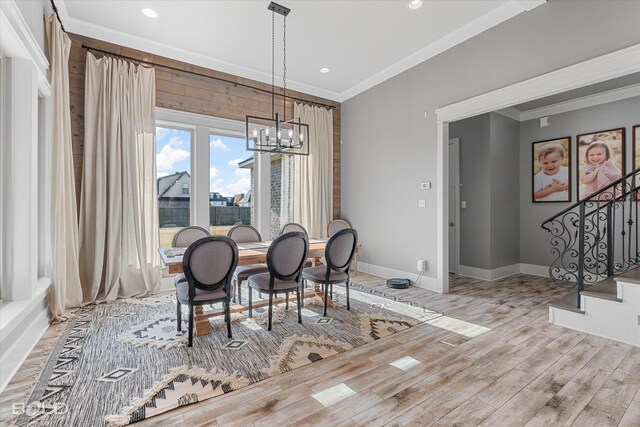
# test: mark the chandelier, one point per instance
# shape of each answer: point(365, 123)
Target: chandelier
point(277, 134)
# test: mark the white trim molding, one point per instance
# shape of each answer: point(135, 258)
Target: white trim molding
point(425, 282)
point(501, 272)
point(605, 67)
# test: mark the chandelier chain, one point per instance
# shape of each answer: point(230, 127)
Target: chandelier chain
point(284, 68)
point(273, 59)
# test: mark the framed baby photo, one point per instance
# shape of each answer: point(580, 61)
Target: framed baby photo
point(600, 162)
point(551, 171)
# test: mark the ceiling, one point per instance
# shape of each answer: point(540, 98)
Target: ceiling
point(362, 42)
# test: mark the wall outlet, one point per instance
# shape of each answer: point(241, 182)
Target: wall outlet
point(463, 204)
point(421, 265)
point(422, 203)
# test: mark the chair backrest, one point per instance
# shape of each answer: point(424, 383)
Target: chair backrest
point(287, 254)
point(337, 225)
point(292, 226)
point(209, 263)
point(340, 249)
point(244, 233)
point(187, 235)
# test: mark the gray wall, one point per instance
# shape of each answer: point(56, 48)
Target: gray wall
point(534, 248)
point(33, 12)
point(505, 190)
point(389, 147)
point(489, 174)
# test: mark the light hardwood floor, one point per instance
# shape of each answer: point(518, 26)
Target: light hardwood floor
point(521, 371)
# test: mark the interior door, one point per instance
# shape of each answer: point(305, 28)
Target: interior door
point(454, 204)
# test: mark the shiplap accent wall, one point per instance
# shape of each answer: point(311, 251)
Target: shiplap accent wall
point(191, 93)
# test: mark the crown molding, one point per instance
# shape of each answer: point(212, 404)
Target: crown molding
point(496, 16)
point(510, 112)
point(584, 102)
point(610, 66)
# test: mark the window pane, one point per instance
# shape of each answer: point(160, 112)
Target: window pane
point(281, 192)
point(231, 169)
point(173, 164)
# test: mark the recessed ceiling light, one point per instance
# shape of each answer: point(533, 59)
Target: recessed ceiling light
point(324, 70)
point(415, 4)
point(149, 13)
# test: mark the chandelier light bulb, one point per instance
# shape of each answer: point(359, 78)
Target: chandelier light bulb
point(290, 133)
point(301, 136)
point(255, 133)
point(266, 131)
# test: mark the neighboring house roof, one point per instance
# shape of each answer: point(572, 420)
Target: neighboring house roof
point(166, 182)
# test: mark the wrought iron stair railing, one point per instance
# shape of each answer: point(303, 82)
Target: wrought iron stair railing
point(597, 237)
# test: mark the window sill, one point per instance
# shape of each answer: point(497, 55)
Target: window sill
point(13, 313)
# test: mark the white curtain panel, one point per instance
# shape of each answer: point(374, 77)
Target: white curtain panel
point(118, 209)
point(313, 178)
point(66, 291)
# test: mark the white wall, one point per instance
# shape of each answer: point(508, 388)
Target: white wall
point(389, 147)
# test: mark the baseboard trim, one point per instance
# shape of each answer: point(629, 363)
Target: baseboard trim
point(15, 356)
point(502, 272)
point(426, 282)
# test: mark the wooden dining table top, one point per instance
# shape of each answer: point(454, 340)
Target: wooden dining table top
point(248, 253)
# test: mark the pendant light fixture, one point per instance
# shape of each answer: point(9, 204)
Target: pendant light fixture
point(277, 134)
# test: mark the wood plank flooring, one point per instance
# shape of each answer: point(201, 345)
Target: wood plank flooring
point(521, 371)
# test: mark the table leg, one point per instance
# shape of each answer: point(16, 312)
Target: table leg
point(202, 325)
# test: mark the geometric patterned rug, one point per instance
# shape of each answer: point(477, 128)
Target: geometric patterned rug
point(119, 363)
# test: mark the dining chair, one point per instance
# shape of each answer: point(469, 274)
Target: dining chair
point(337, 225)
point(338, 254)
point(208, 265)
point(292, 226)
point(285, 260)
point(245, 234)
point(187, 235)
point(184, 238)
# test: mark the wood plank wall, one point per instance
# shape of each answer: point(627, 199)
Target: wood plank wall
point(187, 92)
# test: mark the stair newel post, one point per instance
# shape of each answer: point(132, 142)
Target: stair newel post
point(580, 278)
point(610, 236)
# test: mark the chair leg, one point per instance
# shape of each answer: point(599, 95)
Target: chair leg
point(331, 287)
point(303, 285)
point(190, 324)
point(270, 309)
point(228, 313)
point(326, 297)
point(299, 306)
point(347, 286)
point(179, 316)
point(250, 302)
point(286, 298)
point(239, 285)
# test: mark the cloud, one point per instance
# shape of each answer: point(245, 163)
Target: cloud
point(167, 158)
point(213, 172)
point(175, 141)
point(219, 145)
point(234, 162)
point(240, 186)
point(217, 186)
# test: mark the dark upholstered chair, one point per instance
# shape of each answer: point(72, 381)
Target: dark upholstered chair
point(208, 266)
point(337, 225)
point(245, 234)
point(292, 226)
point(338, 254)
point(187, 235)
point(285, 259)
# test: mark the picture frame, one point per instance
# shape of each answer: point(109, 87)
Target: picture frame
point(551, 169)
point(600, 161)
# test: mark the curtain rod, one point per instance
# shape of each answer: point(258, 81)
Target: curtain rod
point(204, 75)
point(55, 10)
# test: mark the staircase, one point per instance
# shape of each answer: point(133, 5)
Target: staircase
point(596, 244)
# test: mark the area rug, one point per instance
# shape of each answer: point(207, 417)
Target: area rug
point(123, 362)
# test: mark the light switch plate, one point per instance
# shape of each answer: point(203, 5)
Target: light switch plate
point(425, 185)
point(422, 203)
point(464, 204)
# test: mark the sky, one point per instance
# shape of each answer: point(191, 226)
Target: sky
point(173, 154)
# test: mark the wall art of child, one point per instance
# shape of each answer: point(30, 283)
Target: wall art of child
point(551, 184)
point(598, 170)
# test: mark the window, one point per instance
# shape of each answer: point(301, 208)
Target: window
point(173, 166)
point(230, 183)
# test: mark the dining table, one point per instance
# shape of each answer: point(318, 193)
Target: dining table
point(248, 253)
